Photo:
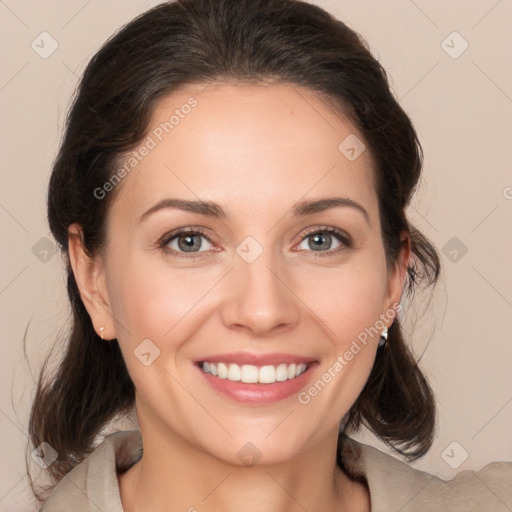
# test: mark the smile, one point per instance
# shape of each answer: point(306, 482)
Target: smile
point(251, 374)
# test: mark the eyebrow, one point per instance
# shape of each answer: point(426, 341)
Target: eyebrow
point(214, 210)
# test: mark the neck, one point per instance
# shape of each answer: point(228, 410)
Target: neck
point(173, 475)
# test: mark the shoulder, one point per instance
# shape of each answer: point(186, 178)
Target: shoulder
point(93, 484)
point(395, 485)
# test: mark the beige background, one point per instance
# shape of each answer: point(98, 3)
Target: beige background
point(461, 108)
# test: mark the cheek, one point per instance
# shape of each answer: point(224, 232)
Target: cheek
point(153, 304)
point(349, 305)
point(150, 300)
point(347, 299)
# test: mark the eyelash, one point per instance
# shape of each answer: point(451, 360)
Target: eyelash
point(169, 237)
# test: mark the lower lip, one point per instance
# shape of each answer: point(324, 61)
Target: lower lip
point(258, 393)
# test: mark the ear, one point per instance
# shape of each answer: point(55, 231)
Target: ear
point(398, 274)
point(91, 280)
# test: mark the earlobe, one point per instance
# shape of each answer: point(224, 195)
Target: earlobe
point(89, 275)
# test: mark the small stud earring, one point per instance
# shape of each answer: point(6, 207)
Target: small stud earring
point(101, 331)
point(383, 338)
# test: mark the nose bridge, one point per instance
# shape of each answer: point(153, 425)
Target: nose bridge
point(260, 301)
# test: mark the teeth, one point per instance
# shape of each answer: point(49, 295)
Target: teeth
point(251, 374)
point(267, 375)
point(222, 370)
point(234, 372)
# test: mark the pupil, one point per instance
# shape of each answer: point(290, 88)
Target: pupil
point(319, 238)
point(187, 242)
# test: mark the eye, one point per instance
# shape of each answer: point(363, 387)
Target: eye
point(320, 241)
point(186, 243)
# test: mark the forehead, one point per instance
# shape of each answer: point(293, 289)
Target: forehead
point(248, 147)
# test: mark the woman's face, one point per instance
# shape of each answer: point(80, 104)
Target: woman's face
point(268, 285)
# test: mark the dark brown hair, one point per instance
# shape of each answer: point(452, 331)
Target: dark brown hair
point(200, 41)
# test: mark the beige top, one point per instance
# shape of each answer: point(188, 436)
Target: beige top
point(394, 485)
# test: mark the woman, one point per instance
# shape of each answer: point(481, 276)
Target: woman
point(213, 148)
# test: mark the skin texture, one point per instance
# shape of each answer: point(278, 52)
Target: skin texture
point(256, 150)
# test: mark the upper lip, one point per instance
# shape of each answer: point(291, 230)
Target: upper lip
point(241, 358)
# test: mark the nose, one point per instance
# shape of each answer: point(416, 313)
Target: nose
point(262, 301)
